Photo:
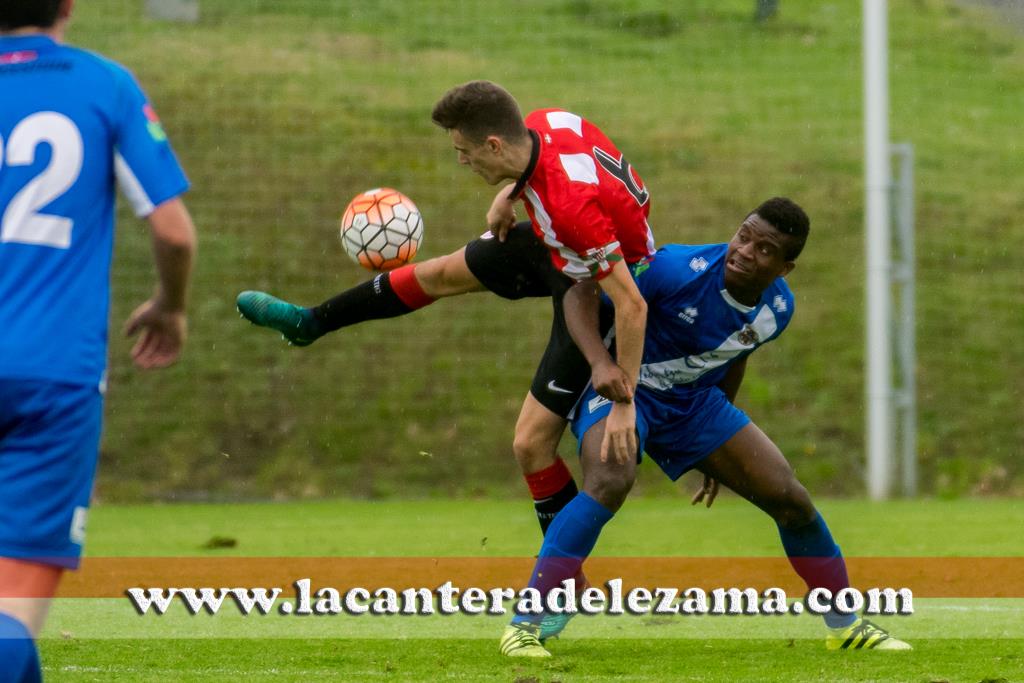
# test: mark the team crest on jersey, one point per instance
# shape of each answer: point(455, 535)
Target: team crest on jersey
point(748, 336)
point(779, 304)
point(698, 264)
point(689, 314)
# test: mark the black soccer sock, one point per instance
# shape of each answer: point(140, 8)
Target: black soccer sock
point(372, 300)
point(548, 508)
point(552, 489)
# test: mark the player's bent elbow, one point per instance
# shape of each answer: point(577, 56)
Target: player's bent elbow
point(634, 309)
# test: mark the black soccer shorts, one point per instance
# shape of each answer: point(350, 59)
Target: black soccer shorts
point(521, 267)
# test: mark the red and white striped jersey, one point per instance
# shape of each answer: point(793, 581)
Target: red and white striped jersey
point(586, 202)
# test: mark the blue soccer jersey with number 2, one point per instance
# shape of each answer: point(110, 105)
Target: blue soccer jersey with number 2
point(71, 124)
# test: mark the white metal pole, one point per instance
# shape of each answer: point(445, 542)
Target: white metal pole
point(907, 342)
point(878, 247)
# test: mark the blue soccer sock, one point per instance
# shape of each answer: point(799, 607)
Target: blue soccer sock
point(819, 562)
point(18, 652)
point(569, 540)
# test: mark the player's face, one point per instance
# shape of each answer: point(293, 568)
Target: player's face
point(483, 158)
point(756, 256)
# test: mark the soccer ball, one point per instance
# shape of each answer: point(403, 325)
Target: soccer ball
point(381, 229)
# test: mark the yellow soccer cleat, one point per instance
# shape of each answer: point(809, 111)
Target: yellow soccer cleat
point(521, 640)
point(863, 635)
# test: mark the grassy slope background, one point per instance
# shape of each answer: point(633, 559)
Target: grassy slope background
point(281, 111)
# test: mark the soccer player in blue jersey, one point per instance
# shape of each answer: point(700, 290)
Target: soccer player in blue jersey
point(71, 122)
point(709, 308)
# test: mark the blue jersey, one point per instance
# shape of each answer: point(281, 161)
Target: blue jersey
point(695, 329)
point(71, 122)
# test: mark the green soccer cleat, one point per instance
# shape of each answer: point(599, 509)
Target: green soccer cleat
point(863, 635)
point(520, 640)
point(553, 624)
point(295, 323)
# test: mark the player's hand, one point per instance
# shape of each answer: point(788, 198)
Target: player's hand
point(502, 214)
point(163, 334)
point(707, 492)
point(611, 381)
point(620, 434)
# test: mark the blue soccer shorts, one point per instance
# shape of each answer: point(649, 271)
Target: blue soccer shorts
point(676, 432)
point(49, 446)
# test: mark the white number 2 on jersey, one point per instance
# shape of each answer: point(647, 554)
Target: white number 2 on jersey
point(21, 221)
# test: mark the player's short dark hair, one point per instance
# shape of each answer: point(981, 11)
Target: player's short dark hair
point(15, 14)
point(478, 109)
point(787, 217)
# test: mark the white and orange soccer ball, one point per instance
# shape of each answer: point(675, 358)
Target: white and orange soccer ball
point(381, 229)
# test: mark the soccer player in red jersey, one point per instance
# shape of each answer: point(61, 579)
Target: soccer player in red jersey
point(588, 212)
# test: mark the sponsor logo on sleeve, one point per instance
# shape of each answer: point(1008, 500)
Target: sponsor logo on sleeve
point(600, 259)
point(153, 125)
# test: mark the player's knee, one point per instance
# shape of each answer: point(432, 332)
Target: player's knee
point(530, 455)
point(446, 276)
point(793, 507)
point(610, 486)
point(430, 276)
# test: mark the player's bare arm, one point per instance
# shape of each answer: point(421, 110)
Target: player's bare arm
point(162, 320)
point(730, 386)
point(581, 307)
point(501, 216)
point(630, 322)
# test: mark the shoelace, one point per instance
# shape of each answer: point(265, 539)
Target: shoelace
point(866, 630)
point(523, 637)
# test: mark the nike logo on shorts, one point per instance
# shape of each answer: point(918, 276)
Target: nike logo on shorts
point(555, 389)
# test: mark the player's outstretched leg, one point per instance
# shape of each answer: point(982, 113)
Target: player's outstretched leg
point(815, 556)
point(522, 640)
point(388, 295)
point(863, 635)
point(752, 465)
point(296, 324)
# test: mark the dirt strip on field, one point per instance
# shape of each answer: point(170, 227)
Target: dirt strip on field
point(931, 577)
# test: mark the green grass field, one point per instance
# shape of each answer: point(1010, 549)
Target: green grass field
point(955, 639)
point(281, 110)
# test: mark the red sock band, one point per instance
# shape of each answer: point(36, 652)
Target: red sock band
point(548, 481)
point(404, 285)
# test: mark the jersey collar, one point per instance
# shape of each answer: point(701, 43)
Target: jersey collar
point(29, 41)
point(530, 167)
point(742, 308)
